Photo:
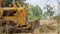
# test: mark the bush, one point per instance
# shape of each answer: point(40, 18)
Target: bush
point(46, 28)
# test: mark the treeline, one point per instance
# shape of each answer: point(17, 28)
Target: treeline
point(35, 12)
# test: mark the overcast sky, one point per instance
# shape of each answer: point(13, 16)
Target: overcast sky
point(42, 3)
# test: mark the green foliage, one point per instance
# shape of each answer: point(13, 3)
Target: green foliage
point(56, 17)
point(38, 11)
point(34, 12)
point(47, 28)
point(21, 2)
point(49, 11)
point(7, 2)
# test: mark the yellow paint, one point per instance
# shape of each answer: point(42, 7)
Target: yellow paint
point(20, 16)
point(18, 3)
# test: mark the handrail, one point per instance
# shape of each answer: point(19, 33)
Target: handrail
point(14, 5)
point(12, 8)
point(18, 3)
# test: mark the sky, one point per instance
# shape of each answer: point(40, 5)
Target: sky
point(42, 3)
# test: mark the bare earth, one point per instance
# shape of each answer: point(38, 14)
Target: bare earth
point(46, 22)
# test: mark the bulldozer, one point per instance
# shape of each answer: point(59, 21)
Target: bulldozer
point(14, 18)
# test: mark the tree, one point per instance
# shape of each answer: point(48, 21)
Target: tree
point(35, 12)
point(22, 2)
point(7, 2)
point(49, 11)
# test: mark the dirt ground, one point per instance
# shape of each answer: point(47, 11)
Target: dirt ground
point(46, 22)
point(36, 31)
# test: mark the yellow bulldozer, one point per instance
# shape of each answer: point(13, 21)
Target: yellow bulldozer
point(14, 18)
